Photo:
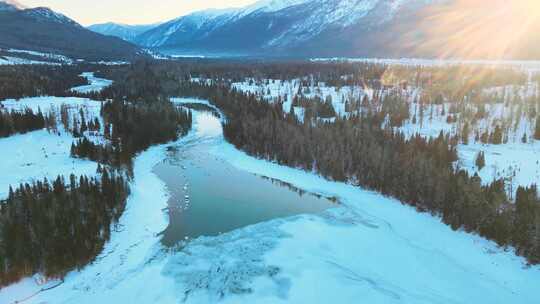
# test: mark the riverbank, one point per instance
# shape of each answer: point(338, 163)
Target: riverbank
point(378, 250)
point(116, 275)
point(371, 249)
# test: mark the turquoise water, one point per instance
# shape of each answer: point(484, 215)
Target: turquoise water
point(209, 196)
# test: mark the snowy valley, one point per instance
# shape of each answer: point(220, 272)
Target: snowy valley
point(279, 151)
point(368, 246)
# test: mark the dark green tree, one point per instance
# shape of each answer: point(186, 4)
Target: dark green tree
point(480, 160)
point(537, 129)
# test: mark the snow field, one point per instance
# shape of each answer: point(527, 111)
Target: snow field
point(370, 250)
point(36, 155)
point(128, 269)
point(516, 161)
point(39, 154)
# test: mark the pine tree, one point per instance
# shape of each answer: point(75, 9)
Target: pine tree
point(73, 150)
point(537, 131)
point(480, 160)
point(484, 138)
point(465, 134)
point(497, 136)
point(75, 212)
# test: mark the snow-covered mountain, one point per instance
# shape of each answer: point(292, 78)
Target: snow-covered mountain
point(45, 14)
point(44, 30)
point(271, 25)
point(355, 28)
point(10, 5)
point(186, 28)
point(123, 31)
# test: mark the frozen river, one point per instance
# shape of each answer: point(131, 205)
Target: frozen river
point(208, 196)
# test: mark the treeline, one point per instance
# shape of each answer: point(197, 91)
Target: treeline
point(537, 129)
point(137, 83)
point(136, 112)
point(467, 96)
point(12, 122)
point(131, 128)
point(452, 83)
point(38, 80)
point(227, 70)
point(315, 107)
point(416, 170)
point(52, 228)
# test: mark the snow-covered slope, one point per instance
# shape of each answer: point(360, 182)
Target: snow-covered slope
point(269, 6)
point(10, 5)
point(200, 24)
point(326, 12)
point(271, 24)
point(354, 28)
point(123, 31)
point(48, 15)
point(44, 30)
point(193, 26)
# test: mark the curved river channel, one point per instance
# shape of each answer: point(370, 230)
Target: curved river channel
point(208, 196)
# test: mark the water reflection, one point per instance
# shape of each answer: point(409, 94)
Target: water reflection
point(209, 196)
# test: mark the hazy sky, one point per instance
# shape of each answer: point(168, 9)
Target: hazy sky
point(89, 12)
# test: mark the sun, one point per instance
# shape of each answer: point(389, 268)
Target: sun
point(495, 29)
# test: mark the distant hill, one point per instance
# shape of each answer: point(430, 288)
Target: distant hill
point(43, 30)
point(122, 31)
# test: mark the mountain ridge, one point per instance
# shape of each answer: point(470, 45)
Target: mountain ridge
point(10, 5)
point(125, 32)
point(44, 30)
point(352, 28)
point(272, 25)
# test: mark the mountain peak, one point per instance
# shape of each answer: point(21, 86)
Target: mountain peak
point(272, 5)
point(123, 31)
point(10, 5)
point(47, 14)
point(46, 31)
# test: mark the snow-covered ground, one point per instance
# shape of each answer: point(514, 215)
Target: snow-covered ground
point(101, 62)
point(16, 57)
point(515, 161)
point(372, 249)
point(47, 56)
point(11, 60)
point(49, 103)
point(20, 57)
point(125, 272)
point(39, 154)
point(96, 84)
point(273, 90)
point(532, 65)
point(35, 155)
